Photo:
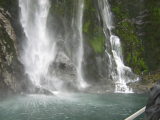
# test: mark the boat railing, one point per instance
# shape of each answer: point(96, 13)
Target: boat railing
point(136, 114)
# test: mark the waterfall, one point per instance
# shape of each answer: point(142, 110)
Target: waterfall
point(38, 49)
point(114, 52)
point(80, 51)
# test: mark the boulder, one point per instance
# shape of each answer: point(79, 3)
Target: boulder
point(64, 70)
point(152, 111)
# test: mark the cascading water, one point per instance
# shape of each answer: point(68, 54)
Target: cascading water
point(115, 55)
point(38, 51)
point(80, 53)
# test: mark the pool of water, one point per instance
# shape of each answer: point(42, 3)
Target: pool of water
point(71, 107)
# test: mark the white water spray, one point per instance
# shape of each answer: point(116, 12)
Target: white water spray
point(120, 77)
point(39, 51)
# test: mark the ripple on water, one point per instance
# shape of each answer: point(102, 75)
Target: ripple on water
point(71, 107)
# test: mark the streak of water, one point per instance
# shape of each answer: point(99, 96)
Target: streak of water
point(80, 53)
point(120, 77)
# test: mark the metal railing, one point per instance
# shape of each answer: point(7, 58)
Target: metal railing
point(136, 114)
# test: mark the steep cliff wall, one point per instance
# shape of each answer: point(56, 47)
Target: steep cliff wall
point(11, 70)
point(137, 23)
point(62, 15)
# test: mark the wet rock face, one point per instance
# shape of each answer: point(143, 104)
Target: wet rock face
point(153, 106)
point(10, 67)
point(65, 71)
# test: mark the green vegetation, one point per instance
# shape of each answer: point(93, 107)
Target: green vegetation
point(133, 49)
point(97, 44)
point(152, 34)
point(92, 28)
point(8, 3)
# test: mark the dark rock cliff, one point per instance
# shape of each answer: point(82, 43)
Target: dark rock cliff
point(152, 111)
point(11, 71)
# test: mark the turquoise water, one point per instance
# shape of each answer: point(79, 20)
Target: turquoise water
point(71, 107)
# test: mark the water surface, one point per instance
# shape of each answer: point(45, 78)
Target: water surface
point(71, 107)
